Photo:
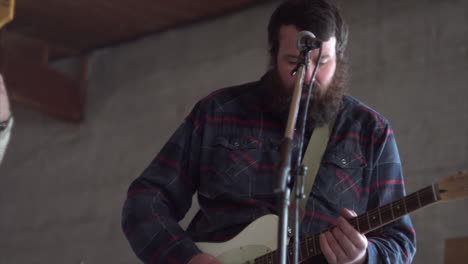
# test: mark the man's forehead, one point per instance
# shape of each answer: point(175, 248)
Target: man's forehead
point(329, 47)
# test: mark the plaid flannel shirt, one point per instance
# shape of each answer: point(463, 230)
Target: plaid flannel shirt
point(227, 151)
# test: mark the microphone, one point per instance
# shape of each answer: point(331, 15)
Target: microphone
point(306, 40)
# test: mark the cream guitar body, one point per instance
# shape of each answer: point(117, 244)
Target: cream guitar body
point(257, 239)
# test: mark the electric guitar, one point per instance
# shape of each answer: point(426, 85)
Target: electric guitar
point(257, 242)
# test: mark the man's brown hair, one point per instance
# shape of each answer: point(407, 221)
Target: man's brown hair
point(321, 17)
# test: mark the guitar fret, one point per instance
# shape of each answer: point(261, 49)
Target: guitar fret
point(399, 209)
point(299, 257)
point(317, 244)
point(313, 241)
point(413, 202)
point(307, 247)
point(380, 216)
point(357, 225)
point(404, 205)
point(363, 223)
point(434, 192)
point(374, 220)
point(427, 197)
point(386, 214)
point(391, 210)
point(305, 250)
point(368, 221)
point(310, 248)
point(419, 199)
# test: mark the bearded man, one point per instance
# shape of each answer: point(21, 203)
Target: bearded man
point(227, 151)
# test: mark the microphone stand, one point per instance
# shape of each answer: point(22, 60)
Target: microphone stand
point(287, 176)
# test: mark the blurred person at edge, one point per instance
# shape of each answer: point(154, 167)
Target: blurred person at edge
point(227, 149)
point(6, 120)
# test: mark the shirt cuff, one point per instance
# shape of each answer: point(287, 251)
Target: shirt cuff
point(182, 251)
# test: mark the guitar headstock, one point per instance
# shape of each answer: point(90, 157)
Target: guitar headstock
point(454, 187)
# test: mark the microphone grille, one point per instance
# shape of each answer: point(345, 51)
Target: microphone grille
point(301, 39)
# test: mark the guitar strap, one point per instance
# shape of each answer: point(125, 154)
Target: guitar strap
point(312, 159)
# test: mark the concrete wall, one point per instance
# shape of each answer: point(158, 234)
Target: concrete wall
point(64, 184)
point(410, 62)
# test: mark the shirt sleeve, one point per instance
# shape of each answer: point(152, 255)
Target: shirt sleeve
point(395, 242)
point(162, 195)
point(5, 138)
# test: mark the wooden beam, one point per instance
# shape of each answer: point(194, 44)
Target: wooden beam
point(18, 44)
point(456, 250)
point(86, 25)
point(32, 83)
point(49, 91)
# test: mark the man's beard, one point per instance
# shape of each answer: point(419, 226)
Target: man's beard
point(323, 106)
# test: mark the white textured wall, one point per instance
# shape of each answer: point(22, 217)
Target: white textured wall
point(410, 62)
point(64, 184)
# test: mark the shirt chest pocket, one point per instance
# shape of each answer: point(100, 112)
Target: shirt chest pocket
point(341, 181)
point(234, 163)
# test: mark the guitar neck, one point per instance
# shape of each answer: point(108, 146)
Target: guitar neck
point(364, 223)
point(393, 211)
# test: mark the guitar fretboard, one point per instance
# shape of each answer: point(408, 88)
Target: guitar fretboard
point(369, 221)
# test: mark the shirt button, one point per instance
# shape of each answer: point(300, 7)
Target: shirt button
point(343, 161)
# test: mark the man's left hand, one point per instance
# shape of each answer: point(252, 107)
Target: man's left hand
point(344, 244)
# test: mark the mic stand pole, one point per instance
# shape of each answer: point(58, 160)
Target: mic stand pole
point(285, 180)
point(298, 196)
point(288, 177)
point(301, 169)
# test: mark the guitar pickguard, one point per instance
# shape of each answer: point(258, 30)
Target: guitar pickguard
point(255, 240)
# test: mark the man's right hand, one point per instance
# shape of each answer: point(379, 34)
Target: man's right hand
point(204, 259)
point(4, 104)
